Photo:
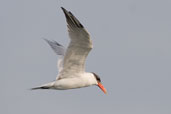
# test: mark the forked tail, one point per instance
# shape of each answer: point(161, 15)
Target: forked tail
point(43, 87)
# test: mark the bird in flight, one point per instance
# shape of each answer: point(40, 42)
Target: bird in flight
point(71, 61)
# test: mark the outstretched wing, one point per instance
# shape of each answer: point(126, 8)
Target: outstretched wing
point(79, 46)
point(59, 50)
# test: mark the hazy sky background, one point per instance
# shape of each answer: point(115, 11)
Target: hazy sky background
point(132, 55)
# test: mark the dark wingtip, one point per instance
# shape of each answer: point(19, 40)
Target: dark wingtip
point(65, 12)
point(57, 43)
point(63, 9)
point(45, 39)
point(71, 19)
point(48, 41)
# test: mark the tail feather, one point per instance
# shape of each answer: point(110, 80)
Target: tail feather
point(43, 87)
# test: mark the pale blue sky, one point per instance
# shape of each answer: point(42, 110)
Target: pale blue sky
point(132, 55)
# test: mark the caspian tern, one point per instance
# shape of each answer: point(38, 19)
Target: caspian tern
point(71, 62)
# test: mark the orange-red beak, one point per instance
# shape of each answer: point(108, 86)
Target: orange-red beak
point(102, 87)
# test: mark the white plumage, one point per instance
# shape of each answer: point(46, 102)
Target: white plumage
point(71, 61)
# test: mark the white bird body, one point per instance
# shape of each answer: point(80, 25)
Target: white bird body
point(82, 80)
point(71, 61)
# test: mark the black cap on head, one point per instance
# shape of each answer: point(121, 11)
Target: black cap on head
point(97, 77)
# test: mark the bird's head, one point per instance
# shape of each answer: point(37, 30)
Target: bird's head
point(99, 84)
